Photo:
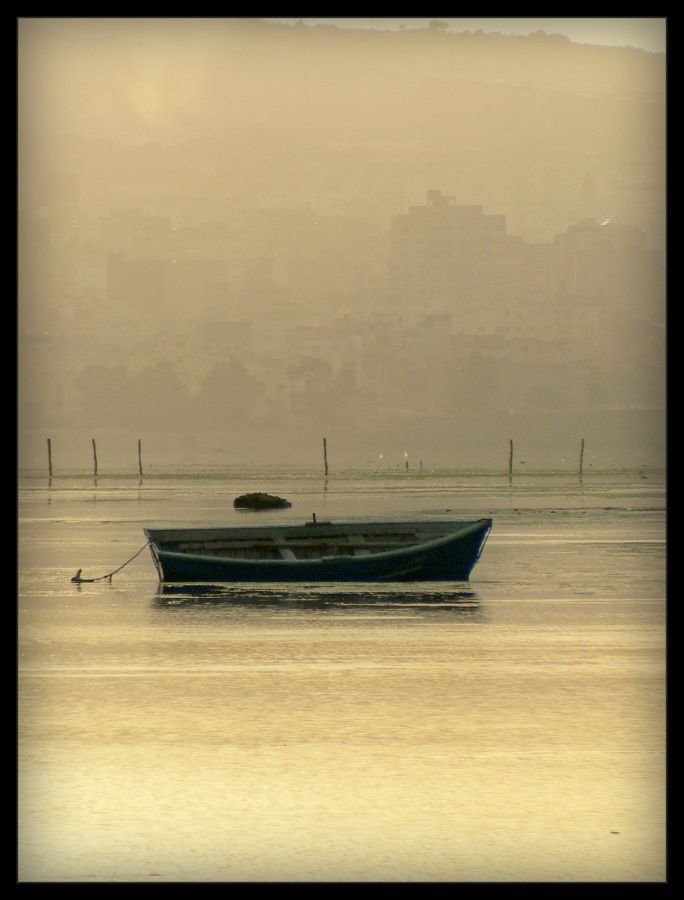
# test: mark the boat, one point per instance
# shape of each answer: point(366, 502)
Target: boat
point(320, 552)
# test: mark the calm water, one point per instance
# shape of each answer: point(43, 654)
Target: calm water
point(508, 729)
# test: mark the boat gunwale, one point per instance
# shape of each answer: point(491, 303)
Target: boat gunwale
point(308, 529)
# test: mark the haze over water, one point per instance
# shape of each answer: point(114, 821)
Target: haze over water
point(506, 729)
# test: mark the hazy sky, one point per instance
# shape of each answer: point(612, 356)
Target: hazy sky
point(646, 33)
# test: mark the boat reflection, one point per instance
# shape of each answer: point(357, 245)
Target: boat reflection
point(459, 597)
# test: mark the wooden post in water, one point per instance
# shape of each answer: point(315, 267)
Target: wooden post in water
point(510, 461)
point(94, 459)
point(49, 446)
point(581, 459)
point(140, 458)
point(325, 456)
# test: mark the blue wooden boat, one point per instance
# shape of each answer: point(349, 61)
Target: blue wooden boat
point(320, 551)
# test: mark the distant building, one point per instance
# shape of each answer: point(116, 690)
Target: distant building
point(135, 284)
point(459, 261)
point(611, 264)
point(437, 249)
point(134, 234)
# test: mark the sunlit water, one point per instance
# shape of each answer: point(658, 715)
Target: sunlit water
point(507, 729)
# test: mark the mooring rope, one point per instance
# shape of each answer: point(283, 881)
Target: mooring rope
point(78, 580)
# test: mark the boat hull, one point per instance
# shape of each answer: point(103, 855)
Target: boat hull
point(449, 557)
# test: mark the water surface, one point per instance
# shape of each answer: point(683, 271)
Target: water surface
point(506, 729)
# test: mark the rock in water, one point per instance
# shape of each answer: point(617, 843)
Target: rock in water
point(259, 500)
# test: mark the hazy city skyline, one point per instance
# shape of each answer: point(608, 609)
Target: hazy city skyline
point(237, 236)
